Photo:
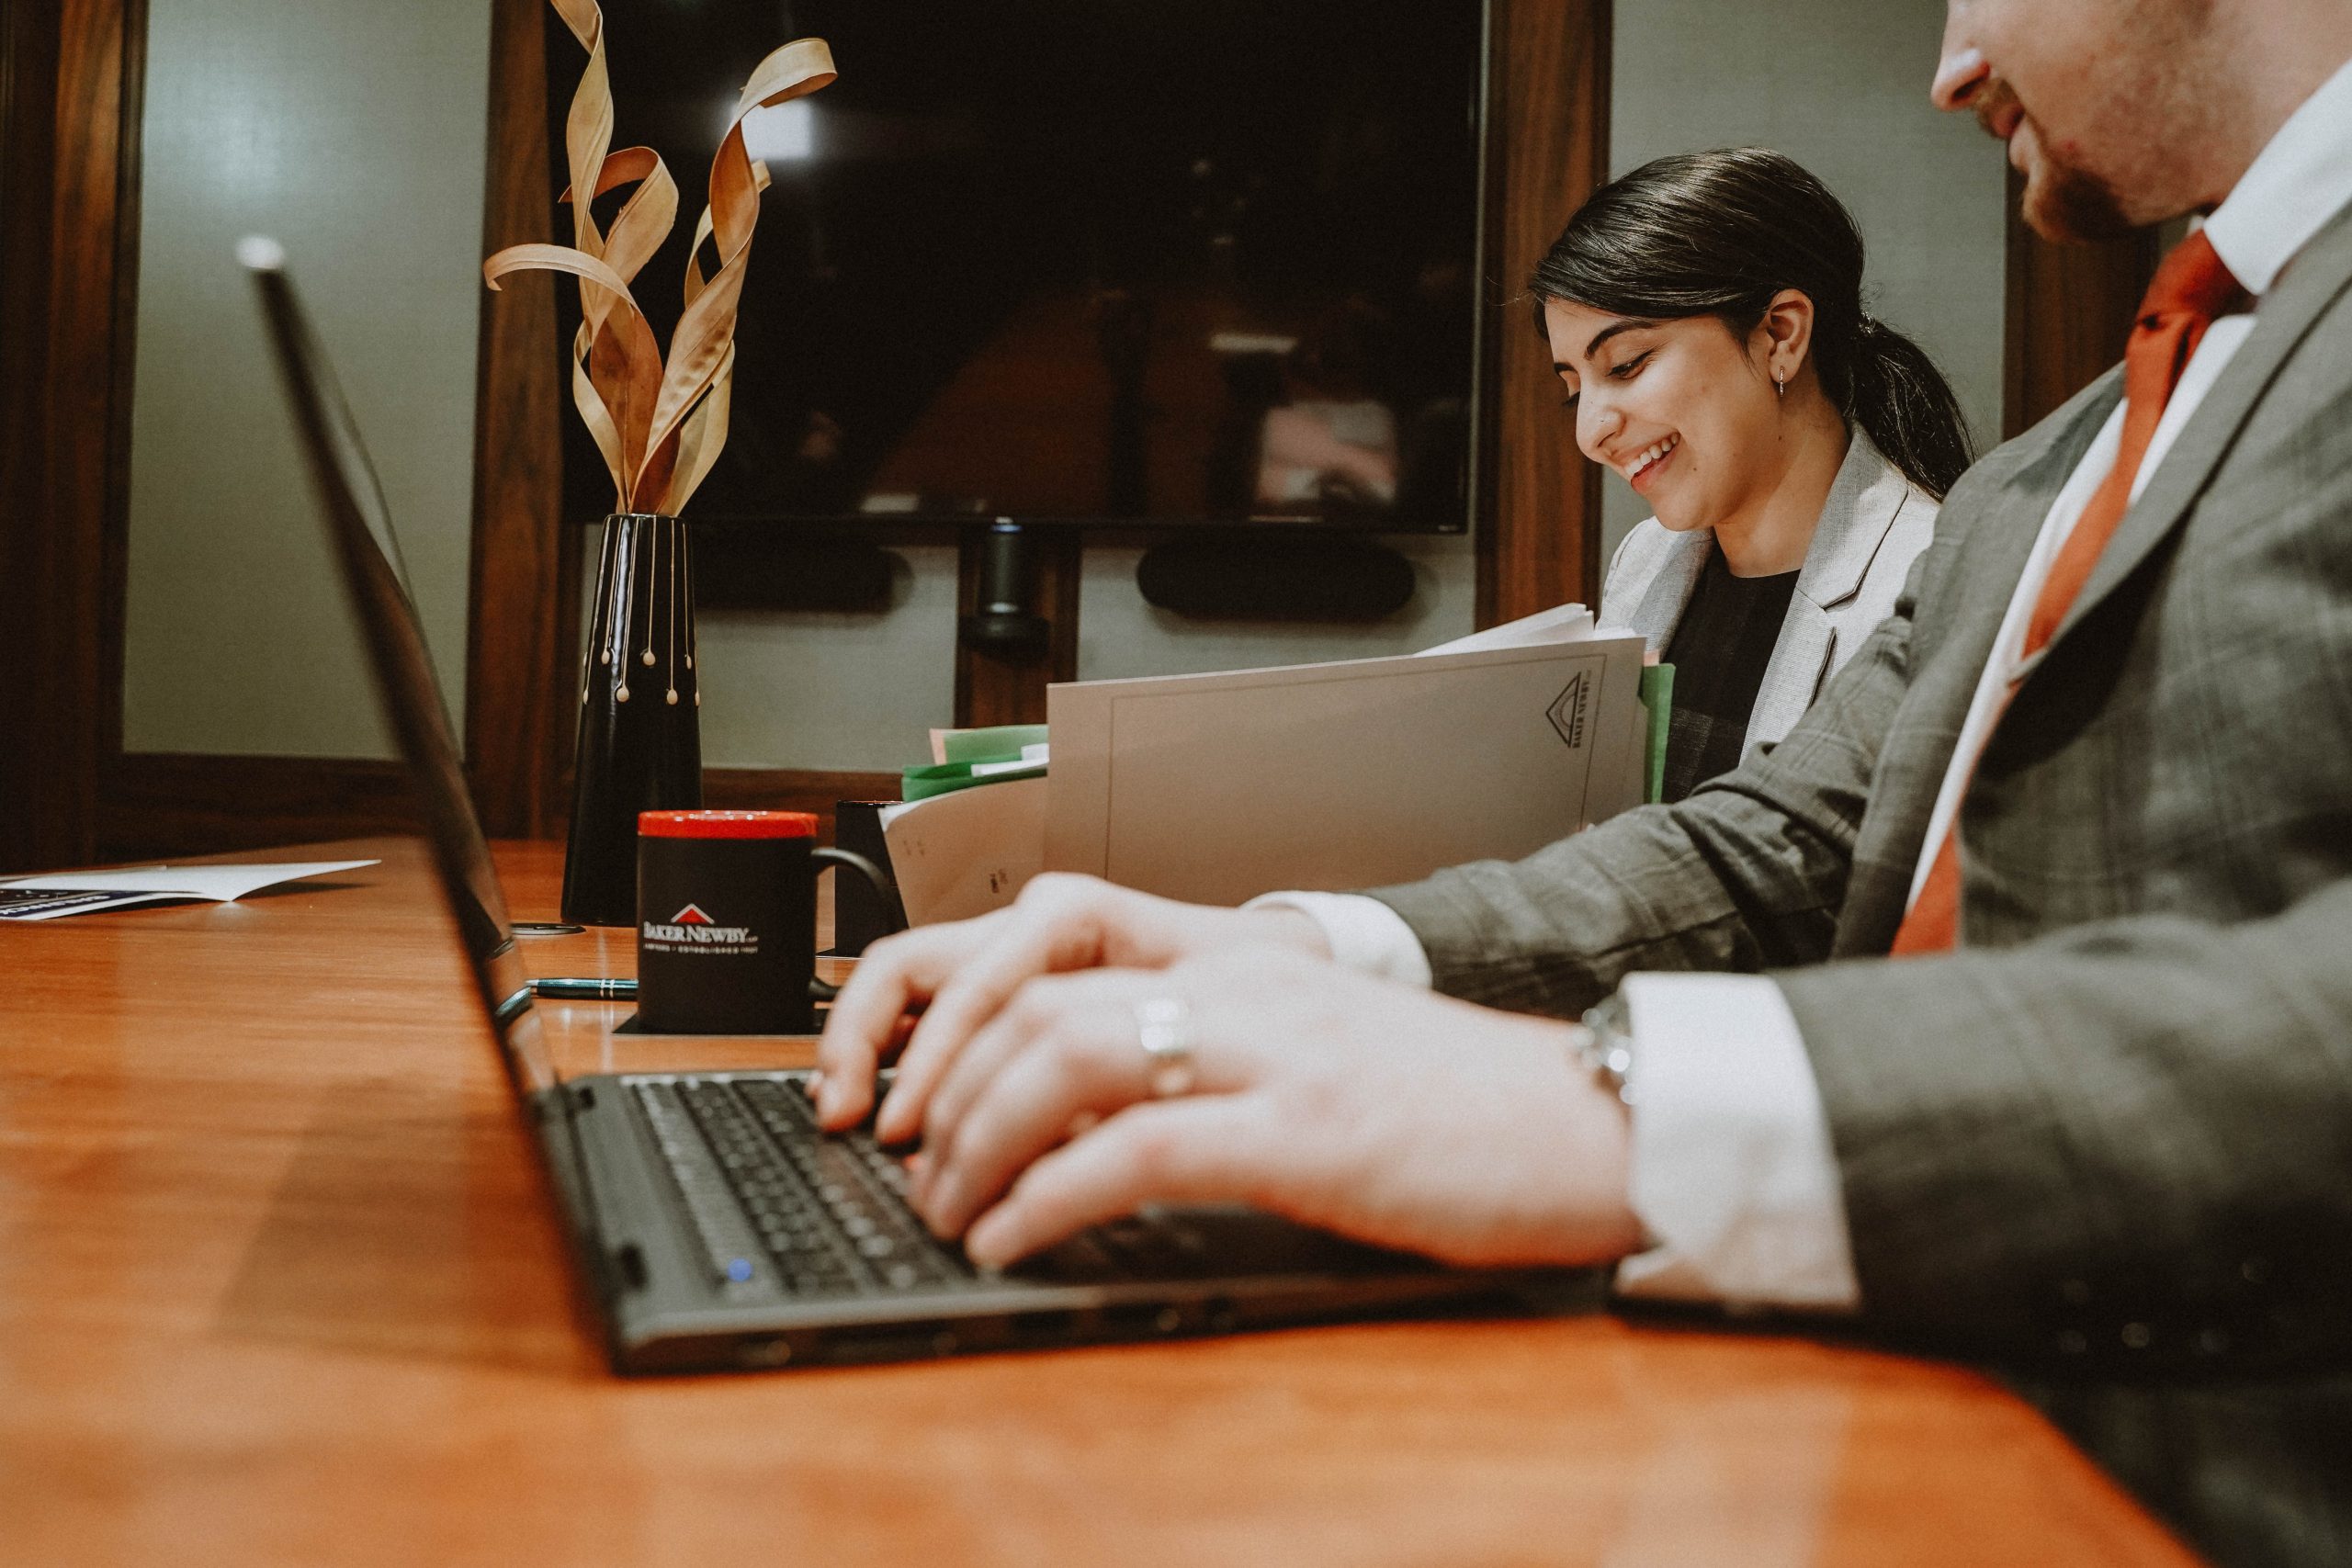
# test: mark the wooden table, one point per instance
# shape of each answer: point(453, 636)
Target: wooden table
point(279, 1283)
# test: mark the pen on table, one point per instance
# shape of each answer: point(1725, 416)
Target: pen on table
point(571, 989)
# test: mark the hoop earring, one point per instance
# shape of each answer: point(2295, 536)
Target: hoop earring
point(1779, 387)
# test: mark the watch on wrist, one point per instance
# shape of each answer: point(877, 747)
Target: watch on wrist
point(1603, 1043)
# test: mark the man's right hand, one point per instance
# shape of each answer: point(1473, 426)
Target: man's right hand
point(961, 974)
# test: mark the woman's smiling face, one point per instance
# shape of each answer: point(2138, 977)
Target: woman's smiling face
point(1683, 410)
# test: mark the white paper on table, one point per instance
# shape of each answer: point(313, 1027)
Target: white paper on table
point(967, 851)
point(153, 884)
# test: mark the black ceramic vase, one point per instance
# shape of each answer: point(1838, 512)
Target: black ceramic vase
point(640, 741)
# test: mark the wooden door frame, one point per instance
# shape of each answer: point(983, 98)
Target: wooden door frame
point(523, 598)
point(1538, 530)
point(69, 214)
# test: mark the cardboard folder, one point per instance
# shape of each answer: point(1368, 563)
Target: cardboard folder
point(1219, 788)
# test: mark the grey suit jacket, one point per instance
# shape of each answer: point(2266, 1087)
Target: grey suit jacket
point(2119, 1122)
point(1873, 525)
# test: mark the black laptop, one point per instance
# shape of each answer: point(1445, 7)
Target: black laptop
point(715, 1225)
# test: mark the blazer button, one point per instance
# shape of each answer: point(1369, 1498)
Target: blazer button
point(2211, 1341)
point(2075, 1293)
point(2073, 1342)
point(2136, 1335)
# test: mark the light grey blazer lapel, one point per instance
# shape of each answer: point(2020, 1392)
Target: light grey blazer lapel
point(1652, 579)
point(1872, 511)
point(1872, 522)
point(2284, 317)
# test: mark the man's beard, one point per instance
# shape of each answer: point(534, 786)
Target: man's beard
point(2062, 202)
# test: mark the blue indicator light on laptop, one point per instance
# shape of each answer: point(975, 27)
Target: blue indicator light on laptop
point(739, 1270)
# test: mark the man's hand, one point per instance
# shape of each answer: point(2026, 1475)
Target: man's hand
point(961, 974)
point(1381, 1111)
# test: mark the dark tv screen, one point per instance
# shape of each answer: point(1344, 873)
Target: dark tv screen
point(1105, 261)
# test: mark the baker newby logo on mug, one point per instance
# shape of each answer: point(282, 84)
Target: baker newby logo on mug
point(691, 928)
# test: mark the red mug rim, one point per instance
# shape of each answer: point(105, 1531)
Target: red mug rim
point(727, 824)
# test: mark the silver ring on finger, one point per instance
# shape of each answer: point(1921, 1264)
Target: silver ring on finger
point(1164, 1025)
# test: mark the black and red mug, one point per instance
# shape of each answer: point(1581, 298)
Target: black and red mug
point(727, 920)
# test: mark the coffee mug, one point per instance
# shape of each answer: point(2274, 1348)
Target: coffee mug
point(727, 920)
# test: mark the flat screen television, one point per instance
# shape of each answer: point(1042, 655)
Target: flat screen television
point(1133, 262)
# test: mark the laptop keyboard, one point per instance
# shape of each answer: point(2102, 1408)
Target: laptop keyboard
point(777, 1204)
point(783, 1209)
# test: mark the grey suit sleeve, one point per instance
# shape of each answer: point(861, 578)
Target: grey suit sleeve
point(1746, 873)
point(2130, 1140)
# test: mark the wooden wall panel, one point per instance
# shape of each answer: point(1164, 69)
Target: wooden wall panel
point(158, 805)
point(69, 232)
point(2070, 311)
point(1539, 543)
point(523, 620)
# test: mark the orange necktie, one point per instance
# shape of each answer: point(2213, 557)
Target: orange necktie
point(2190, 290)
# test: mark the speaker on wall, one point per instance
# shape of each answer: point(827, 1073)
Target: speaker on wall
point(1002, 624)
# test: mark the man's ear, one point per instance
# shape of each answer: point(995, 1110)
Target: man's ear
point(1784, 337)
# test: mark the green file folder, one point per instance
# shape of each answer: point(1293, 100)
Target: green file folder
point(1657, 696)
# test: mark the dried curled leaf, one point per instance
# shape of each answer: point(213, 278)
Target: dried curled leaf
point(660, 427)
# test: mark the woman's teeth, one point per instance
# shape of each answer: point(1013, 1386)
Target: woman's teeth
point(1653, 455)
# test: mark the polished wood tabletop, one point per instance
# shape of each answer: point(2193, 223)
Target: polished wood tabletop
point(280, 1284)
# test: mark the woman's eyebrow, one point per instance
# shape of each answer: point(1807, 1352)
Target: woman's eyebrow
point(1612, 330)
point(1626, 325)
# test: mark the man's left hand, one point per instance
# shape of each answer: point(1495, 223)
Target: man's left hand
point(1380, 1111)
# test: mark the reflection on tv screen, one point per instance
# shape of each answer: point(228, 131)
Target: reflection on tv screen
point(1161, 260)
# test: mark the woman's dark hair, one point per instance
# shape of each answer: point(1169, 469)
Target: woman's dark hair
point(1719, 234)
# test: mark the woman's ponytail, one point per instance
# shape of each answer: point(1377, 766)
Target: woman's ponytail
point(1907, 408)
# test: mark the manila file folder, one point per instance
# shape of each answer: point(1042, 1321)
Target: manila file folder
point(1215, 788)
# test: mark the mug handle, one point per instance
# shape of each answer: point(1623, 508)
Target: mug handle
point(892, 914)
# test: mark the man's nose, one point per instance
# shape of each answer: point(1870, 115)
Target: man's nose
point(1960, 75)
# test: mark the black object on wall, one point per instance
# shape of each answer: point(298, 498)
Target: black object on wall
point(1259, 577)
point(1002, 623)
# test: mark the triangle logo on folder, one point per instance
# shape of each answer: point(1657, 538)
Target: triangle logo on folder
point(1566, 711)
point(691, 915)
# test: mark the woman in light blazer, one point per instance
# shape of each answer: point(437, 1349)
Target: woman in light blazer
point(1705, 314)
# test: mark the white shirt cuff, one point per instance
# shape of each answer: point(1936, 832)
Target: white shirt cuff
point(1734, 1173)
point(1365, 934)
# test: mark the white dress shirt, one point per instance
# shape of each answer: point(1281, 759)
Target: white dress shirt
point(1733, 1171)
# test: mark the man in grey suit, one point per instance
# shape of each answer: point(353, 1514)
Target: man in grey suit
point(2093, 780)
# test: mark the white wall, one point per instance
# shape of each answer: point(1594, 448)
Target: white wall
point(355, 134)
point(1841, 86)
point(824, 690)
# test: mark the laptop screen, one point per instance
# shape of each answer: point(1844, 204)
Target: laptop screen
point(367, 553)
